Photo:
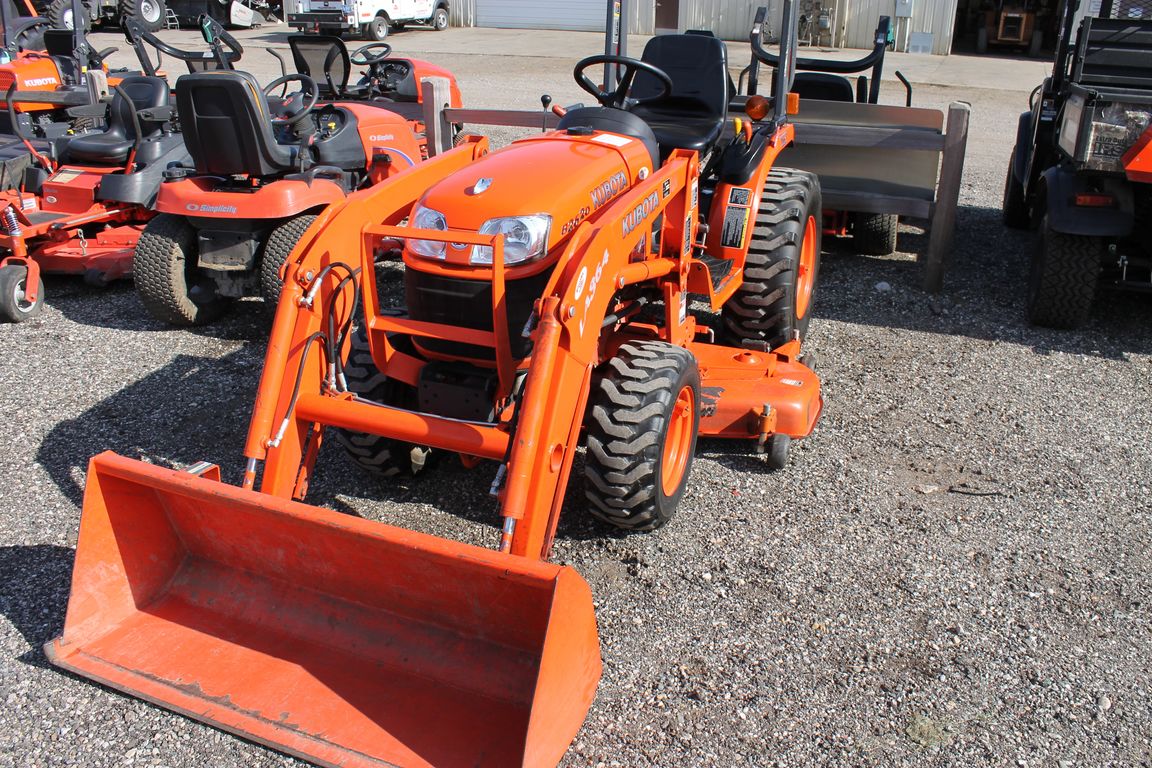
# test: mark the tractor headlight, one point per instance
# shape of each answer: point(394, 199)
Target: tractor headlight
point(525, 238)
point(426, 218)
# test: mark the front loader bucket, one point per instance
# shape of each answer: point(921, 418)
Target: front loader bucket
point(343, 641)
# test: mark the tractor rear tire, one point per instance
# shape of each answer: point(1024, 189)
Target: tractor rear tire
point(874, 234)
point(1062, 281)
point(165, 267)
point(773, 305)
point(59, 12)
point(376, 30)
point(277, 247)
point(380, 455)
point(149, 13)
point(1015, 207)
point(641, 426)
point(13, 306)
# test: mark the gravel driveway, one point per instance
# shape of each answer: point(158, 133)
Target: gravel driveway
point(953, 570)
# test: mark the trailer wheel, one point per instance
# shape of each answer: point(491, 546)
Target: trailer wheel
point(874, 234)
point(1062, 281)
point(165, 270)
point(377, 29)
point(276, 250)
point(440, 19)
point(1015, 207)
point(14, 307)
point(379, 455)
point(642, 421)
point(150, 13)
point(774, 302)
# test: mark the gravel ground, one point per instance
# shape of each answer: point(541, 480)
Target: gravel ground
point(953, 570)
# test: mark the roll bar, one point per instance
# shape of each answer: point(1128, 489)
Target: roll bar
point(136, 36)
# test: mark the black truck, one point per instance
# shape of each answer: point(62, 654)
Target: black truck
point(1081, 170)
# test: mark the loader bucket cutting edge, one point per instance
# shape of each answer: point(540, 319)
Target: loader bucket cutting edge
point(343, 641)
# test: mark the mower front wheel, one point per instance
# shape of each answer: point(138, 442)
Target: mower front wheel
point(643, 417)
point(874, 234)
point(276, 250)
point(773, 303)
point(14, 306)
point(379, 455)
point(166, 272)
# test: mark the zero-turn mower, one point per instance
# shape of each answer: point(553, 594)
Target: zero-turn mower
point(549, 288)
point(263, 167)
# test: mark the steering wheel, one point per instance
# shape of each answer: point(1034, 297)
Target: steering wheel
point(366, 56)
point(295, 108)
point(618, 98)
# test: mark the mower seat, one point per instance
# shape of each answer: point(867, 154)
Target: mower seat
point(823, 86)
point(691, 116)
point(111, 147)
point(324, 58)
point(227, 127)
point(613, 121)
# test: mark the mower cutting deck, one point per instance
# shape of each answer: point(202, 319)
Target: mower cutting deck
point(540, 307)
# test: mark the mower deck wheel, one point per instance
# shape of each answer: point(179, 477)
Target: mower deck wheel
point(14, 307)
point(776, 451)
point(874, 234)
point(379, 455)
point(164, 267)
point(1063, 277)
point(642, 421)
point(773, 303)
point(275, 252)
point(1015, 207)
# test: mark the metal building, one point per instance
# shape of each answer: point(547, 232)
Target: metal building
point(839, 23)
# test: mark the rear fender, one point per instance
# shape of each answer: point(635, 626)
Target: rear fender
point(1061, 186)
point(279, 200)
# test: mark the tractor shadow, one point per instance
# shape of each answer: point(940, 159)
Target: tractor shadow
point(34, 583)
point(983, 297)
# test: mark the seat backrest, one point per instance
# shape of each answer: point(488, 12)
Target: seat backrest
point(226, 125)
point(58, 42)
point(698, 66)
point(823, 86)
point(144, 93)
point(324, 58)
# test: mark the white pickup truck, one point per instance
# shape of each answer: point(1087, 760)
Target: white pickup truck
point(370, 19)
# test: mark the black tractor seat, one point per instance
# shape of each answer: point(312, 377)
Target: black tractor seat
point(112, 146)
point(692, 116)
point(228, 129)
point(325, 59)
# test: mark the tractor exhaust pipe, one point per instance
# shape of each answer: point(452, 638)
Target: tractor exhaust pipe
point(344, 641)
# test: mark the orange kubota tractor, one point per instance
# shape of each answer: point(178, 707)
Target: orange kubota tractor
point(548, 288)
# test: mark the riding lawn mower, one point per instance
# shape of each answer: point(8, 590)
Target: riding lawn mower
point(549, 295)
point(263, 167)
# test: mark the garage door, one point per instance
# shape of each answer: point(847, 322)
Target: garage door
point(542, 14)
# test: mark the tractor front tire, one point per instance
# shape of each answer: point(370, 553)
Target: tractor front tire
point(380, 455)
point(275, 252)
point(641, 426)
point(165, 269)
point(1062, 281)
point(14, 307)
point(773, 304)
point(1015, 207)
point(874, 234)
point(149, 13)
point(377, 29)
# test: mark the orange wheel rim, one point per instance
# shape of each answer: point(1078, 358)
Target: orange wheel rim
point(806, 272)
point(678, 441)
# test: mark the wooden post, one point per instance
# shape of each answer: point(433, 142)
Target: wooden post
point(947, 196)
point(437, 96)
